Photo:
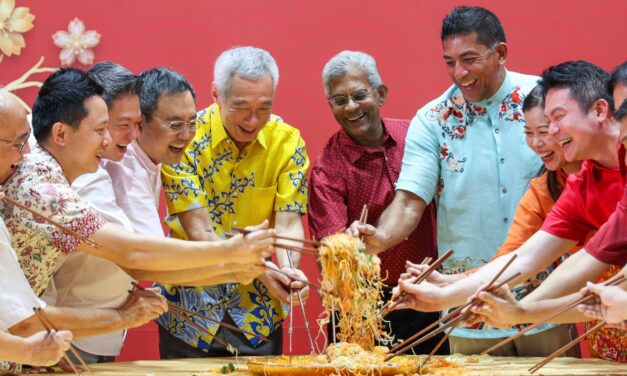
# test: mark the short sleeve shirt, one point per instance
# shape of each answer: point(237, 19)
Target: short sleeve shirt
point(588, 200)
point(473, 159)
point(348, 175)
point(39, 183)
point(237, 188)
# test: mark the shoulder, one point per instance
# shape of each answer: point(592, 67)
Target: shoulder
point(397, 128)
point(450, 98)
point(331, 152)
point(281, 134)
point(524, 82)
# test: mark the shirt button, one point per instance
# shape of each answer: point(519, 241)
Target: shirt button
point(496, 130)
point(502, 160)
point(504, 190)
point(505, 220)
point(489, 103)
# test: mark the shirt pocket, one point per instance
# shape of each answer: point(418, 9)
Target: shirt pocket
point(255, 205)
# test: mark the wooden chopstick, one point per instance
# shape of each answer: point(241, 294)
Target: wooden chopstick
point(315, 243)
point(294, 248)
point(363, 218)
point(45, 322)
point(617, 279)
point(61, 227)
point(416, 280)
point(302, 306)
point(566, 347)
point(402, 348)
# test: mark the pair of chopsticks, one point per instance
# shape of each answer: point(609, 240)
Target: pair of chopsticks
point(616, 280)
point(363, 218)
point(448, 323)
point(45, 321)
point(61, 227)
point(187, 315)
point(418, 279)
point(294, 248)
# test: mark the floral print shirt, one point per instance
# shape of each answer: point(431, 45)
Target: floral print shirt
point(243, 188)
point(40, 184)
point(472, 158)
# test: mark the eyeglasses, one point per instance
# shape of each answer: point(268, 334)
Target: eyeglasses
point(19, 144)
point(357, 97)
point(178, 125)
point(470, 60)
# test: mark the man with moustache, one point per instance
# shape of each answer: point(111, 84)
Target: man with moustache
point(466, 150)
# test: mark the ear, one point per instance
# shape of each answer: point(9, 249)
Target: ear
point(383, 94)
point(214, 92)
point(601, 110)
point(501, 52)
point(59, 133)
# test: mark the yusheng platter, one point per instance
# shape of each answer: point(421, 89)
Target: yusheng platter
point(351, 285)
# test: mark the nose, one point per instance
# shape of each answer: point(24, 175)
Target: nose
point(106, 139)
point(134, 133)
point(351, 105)
point(537, 141)
point(459, 71)
point(187, 133)
point(553, 129)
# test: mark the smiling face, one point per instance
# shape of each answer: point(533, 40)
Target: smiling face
point(540, 141)
point(124, 118)
point(574, 130)
point(84, 147)
point(246, 109)
point(477, 70)
point(161, 143)
point(359, 117)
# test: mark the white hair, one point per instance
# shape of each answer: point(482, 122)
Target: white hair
point(340, 64)
point(249, 63)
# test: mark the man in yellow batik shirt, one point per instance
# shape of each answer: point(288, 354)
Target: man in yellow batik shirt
point(244, 166)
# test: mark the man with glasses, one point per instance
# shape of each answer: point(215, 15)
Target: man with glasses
point(466, 149)
point(244, 166)
point(358, 166)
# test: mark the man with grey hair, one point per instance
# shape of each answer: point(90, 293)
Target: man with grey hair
point(358, 166)
point(244, 166)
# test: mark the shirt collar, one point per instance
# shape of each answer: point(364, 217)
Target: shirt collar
point(354, 150)
point(218, 133)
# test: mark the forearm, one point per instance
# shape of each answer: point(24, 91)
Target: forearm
point(290, 225)
point(535, 311)
point(537, 253)
point(82, 322)
point(569, 277)
point(143, 252)
point(198, 225)
point(400, 218)
point(215, 274)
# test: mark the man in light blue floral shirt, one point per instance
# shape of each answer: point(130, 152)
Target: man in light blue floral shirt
point(466, 149)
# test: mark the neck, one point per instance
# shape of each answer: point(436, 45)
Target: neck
point(572, 167)
point(146, 151)
point(375, 137)
point(606, 154)
point(70, 173)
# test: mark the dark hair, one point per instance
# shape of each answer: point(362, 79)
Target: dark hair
point(618, 76)
point(586, 81)
point(532, 100)
point(157, 81)
point(621, 112)
point(464, 20)
point(62, 99)
point(116, 81)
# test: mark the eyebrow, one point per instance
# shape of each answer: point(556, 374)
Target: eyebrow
point(558, 108)
point(465, 53)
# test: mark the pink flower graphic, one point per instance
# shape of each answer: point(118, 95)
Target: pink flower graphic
point(76, 43)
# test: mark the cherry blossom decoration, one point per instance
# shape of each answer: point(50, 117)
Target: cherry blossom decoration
point(13, 22)
point(76, 43)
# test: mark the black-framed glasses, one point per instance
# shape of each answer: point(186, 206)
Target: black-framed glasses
point(20, 143)
point(357, 97)
point(179, 125)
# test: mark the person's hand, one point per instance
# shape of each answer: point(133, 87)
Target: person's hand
point(373, 238)
point(244, 274)
point(609, 304)
point(279, 285)
point(254, 247)
point(46, 349)
point(498, 308)
point(425, 297)
point(437, 278)
point(142, 306)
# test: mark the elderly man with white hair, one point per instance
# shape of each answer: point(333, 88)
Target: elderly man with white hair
point(245, 165)
point(359, 166)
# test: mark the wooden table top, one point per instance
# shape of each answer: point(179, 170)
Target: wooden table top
point(497, 366)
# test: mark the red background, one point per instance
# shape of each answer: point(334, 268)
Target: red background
point(403, 36)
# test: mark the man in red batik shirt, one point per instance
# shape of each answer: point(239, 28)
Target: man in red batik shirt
point(360, 165)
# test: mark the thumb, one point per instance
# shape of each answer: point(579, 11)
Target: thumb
point(489, 298)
